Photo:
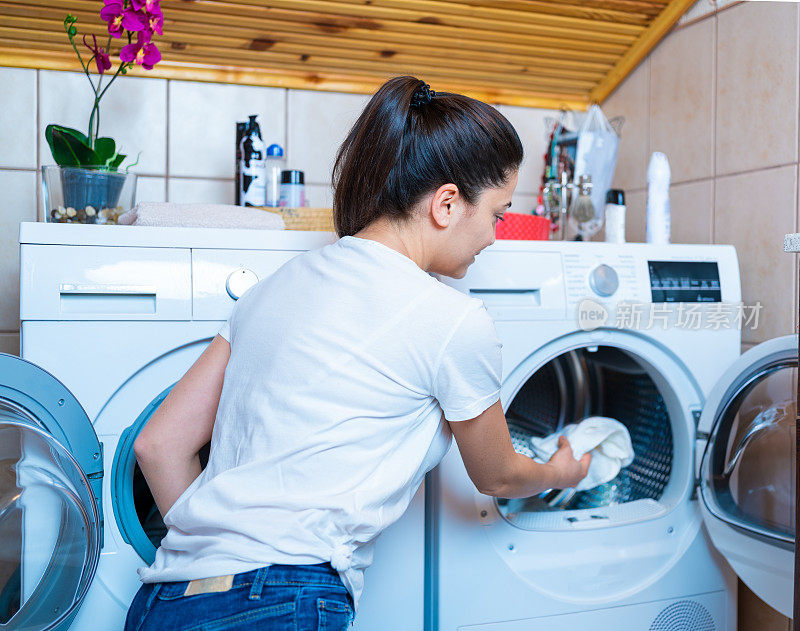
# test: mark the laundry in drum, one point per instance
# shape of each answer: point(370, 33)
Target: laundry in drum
point(605, 438)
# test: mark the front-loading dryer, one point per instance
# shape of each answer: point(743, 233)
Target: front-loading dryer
point(649, 335)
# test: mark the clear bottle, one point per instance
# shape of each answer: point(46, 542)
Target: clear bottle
point(276, 164)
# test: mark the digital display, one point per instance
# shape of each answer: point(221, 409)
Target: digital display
point(684, 281)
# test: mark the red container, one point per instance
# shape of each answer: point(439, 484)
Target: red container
point(523, 227)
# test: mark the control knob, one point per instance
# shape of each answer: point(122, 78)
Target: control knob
point(603, 280)
point(240, 281)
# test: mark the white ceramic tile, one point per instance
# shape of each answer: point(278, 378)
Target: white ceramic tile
point(9, 343)
point(319, 195)
point(202, 124)
point(132, 112)
point(691, 212)
point(753, 211)
point(697, 11)
point(631, 100)
point(18, 203)
point(635, 216)
point(682, 101)
point(187, 190)
point(18, 119)
point(757, 86)
point(151, 189)
point(530, 125)
point(318, 123)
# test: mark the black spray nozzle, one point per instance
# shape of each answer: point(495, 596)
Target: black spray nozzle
point(253, 126)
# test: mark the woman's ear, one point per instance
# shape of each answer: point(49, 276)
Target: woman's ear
point(442, 204)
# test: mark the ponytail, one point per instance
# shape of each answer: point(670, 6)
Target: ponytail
point(409, 141)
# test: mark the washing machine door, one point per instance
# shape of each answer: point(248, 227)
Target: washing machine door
point(747, 469)
point(50, 517)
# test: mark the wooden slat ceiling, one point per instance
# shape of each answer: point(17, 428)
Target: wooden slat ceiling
point(538, 53)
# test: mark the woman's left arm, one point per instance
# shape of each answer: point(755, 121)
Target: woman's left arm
point(167, 448)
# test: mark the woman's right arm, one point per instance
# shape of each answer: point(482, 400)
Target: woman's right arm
point(496, 469)
point(167, 447)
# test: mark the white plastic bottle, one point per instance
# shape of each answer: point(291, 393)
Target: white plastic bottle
point(253, 179)
point(275, 165)
point(658, 216)
point(615, 216)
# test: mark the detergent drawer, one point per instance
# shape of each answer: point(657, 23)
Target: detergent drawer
point(516, 285)
point(59, 282)
point(220, 277)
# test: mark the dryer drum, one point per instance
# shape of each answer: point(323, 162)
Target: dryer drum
point(601, 381)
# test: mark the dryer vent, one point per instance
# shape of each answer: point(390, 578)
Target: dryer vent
point(603, 381)
point(684, 615)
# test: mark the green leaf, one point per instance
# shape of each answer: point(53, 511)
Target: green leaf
point(78, 135)
point(69, 146)
point(105, 148)
point(116, 161)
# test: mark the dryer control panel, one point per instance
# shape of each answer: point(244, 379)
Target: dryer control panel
point(684, 281)
point(604, 276)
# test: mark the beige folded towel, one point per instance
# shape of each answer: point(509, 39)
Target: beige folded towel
point(200, 216)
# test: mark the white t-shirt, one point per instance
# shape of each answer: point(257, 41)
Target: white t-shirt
point(341, 365)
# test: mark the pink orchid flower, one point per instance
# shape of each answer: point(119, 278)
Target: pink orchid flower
point(134, 21)
point(100, 56)
point(143, 52)
point(148, 5)
point(112, 13)
point(155, 20)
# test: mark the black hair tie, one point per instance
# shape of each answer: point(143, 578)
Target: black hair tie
point(422, 95)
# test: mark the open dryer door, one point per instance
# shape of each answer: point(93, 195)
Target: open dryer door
point(51, 469)
point(746, 436)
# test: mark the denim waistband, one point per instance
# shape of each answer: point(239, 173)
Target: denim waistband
point(318, 574)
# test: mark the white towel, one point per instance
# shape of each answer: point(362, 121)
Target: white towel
point(200, 216)
point(606, 439)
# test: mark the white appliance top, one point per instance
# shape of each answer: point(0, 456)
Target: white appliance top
point(157, 237)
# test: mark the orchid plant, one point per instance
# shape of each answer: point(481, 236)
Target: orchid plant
point(134, 20)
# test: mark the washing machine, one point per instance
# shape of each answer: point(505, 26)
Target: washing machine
point(112, 317)
point(649, 335)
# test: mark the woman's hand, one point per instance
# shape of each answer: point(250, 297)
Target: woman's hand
point(569, 471)
point(496, 469)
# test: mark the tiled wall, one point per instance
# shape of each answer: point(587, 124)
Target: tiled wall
point(185, 132)
point(719, 96)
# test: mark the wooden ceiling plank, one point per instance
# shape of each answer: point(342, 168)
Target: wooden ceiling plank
point(548, 6)
point(177, 38)
point(57, 60)
point(421, 19)
point(644, 6)
point(317, 61)
point(491, 11)
point(219, 13)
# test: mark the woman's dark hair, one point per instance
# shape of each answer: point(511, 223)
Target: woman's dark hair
point(398, 152)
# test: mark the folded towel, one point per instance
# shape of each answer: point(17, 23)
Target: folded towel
point(200, 216)
point(606, 439)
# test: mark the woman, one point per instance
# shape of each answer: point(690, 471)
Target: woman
point(337, 381)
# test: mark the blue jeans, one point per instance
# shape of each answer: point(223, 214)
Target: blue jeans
point(274, 598)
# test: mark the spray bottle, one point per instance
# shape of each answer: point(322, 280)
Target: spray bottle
point(252, 182)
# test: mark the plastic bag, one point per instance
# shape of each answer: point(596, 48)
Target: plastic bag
point(596, 156)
